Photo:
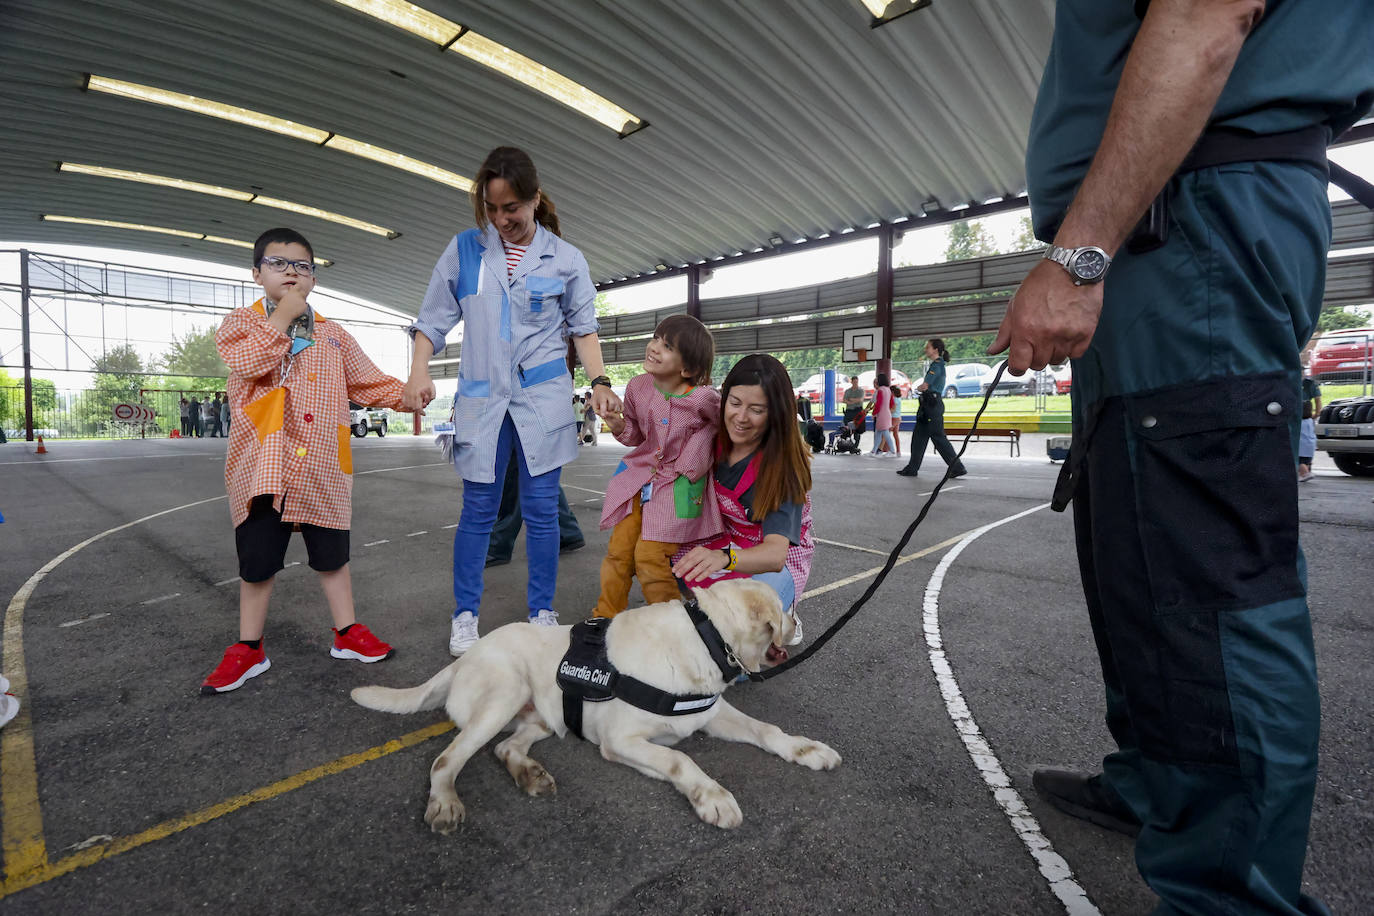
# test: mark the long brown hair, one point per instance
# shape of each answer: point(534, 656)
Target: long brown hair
point(784, 468)
point(516, 168)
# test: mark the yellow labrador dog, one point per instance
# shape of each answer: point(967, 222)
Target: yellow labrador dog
point(508, 680)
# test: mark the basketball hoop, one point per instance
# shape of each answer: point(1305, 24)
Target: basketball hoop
point(863, 355)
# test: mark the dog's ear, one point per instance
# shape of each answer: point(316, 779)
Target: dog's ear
point(765, 610)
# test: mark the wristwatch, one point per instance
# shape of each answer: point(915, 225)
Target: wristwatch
point(1086, 265)
point(731, 557)
point(600, 380)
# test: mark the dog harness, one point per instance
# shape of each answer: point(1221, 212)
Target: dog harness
point(586, 674)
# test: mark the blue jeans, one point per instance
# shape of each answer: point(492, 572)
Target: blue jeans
point(509, 519)
point(538, 504)
point(782, 583)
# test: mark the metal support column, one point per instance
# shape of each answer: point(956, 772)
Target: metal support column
point(28, 362)
point(694, 291)
point(886, 237)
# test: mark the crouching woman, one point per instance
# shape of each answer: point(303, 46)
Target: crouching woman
point(763, 484)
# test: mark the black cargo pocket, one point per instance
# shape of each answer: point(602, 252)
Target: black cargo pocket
point(1218, 492)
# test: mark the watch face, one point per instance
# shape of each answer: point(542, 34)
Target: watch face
point(1090, 264)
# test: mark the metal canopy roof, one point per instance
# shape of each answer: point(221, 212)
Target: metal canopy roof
point(765, 119)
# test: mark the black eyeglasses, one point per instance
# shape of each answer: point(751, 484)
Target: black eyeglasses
point(278, 265)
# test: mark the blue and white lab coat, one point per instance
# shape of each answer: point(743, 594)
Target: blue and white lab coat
point(514, 344)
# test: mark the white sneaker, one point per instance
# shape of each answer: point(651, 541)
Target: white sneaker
point(463, 635)
point(547, 617)
point(796, 633)
point(9, 703)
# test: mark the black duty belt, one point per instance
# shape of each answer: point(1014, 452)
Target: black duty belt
point(586, 675)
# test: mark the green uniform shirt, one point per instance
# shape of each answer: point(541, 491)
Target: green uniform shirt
point(1306, 62)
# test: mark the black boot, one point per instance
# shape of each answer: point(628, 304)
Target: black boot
point(1086, 796)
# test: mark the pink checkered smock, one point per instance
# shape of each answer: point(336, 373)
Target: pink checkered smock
point(742, 533)
point(674, 439)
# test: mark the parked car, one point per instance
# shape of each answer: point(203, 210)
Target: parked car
point(1344, 356)
point(1063, 379)
point(812, 388)
point(965, 380)
point(366, 420)
point(1027, 383)
point(1345, 431)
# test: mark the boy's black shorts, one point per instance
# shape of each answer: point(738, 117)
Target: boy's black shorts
point(263, 536)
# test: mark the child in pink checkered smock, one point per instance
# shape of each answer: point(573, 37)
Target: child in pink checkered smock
point(661, 494)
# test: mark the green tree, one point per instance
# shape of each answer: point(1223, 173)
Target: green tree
point(119, 376)
point(969, 238)
point(194, 354)
point(1335, 318)
point(1024, 239)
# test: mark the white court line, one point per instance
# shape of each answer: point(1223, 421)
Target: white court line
point(291, 564)
point(225, 581)
point(415, 534)
point(1051, 865)
point(375, 543)
point(160, 598)
point(571, 486)
point(454, 525)
point(73, 623)
point(37, 461)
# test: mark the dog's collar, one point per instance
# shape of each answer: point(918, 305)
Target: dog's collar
point(720, 650)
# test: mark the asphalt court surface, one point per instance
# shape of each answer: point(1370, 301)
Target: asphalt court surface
point(284, 796)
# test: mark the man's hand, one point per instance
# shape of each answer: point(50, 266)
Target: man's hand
point(605, 403)
point(418, 392)
point(1049, 320)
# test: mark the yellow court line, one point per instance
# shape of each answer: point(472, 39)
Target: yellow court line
point(21, 817)
point(46, 872)
point(24, 848)
point(870, 573)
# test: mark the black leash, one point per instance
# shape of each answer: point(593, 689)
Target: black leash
point(892, 558)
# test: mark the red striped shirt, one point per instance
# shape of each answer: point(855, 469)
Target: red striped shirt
point(513, 255)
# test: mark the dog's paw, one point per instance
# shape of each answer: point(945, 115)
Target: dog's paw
point(535, 780)
point(815, 755)
point(444, 815)
point(715, 805)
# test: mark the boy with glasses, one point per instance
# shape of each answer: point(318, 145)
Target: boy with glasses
point(289, 466)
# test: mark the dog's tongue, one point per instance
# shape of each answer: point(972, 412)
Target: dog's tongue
point(777, 654)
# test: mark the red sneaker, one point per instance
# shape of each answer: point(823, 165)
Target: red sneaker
point(360, 643)
point(240, 662)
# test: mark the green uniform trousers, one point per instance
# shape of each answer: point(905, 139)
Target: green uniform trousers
point(1186, 524)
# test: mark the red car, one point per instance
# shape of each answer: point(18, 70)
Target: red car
point(1343, 356)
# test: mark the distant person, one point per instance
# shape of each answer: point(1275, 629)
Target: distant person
point(185, 417)
point(224, 414)
point(591, 423)
point(213, 418)
point(930, 416)
point(897, 420)
point(1307, 433)
point(289, 465)
point(882, 417)
point(853, 398)
point(193, 412)
point(814, 435)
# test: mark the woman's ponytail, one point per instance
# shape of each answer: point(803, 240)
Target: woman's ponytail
point(546, 215)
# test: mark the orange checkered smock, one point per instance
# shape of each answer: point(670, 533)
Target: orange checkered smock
point(293, 439)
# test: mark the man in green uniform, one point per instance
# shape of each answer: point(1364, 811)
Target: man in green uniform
point(1185, 341)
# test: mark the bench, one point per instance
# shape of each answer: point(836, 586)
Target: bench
point(1013, 436)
